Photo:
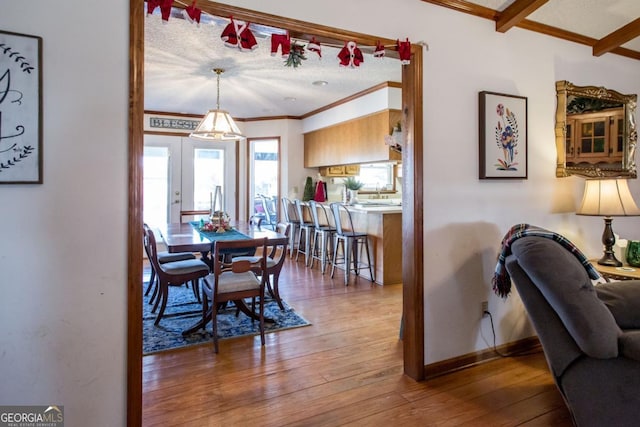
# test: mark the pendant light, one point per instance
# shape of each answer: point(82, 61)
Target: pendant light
point(217, 124)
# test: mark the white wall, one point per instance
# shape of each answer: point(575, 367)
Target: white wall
point(379, 100)
point(465, 218)
point(63, 243)
point(293, 174)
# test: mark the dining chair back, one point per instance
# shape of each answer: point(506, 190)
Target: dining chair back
point(351, 242)
point(175, 273)
point(163, 258)
point(255, 221)
point(194, 213)
point(276, 255)
point(235, 280)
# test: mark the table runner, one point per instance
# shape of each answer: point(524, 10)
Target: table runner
point(232, 234)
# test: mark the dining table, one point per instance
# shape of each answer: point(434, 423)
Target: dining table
point(187, 237)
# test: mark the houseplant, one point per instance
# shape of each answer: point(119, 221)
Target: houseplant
point(308, 190)
point(351, 187)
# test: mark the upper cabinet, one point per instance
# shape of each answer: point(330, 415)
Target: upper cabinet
point(361, 140)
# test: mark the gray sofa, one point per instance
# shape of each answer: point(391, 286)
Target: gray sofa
point(590, 334)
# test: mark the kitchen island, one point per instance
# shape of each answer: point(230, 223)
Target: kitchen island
point(383, 224)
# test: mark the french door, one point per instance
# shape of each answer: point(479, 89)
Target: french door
point(182, 174)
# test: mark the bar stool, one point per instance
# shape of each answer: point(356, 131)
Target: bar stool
point(291, 218)
point(322, 239)
point(351, 243)
point(306, 227)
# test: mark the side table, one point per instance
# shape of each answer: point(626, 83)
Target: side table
point(626, 272)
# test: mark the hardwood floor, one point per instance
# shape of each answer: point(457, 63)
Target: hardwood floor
point(345, 369)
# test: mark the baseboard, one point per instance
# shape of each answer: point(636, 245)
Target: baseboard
point(467, 360)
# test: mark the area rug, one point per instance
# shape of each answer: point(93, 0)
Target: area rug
point(183, 311)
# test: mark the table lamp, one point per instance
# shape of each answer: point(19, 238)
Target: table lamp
point(608, 198)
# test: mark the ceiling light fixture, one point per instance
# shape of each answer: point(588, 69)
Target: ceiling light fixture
point(217, 124)
point(320, 83)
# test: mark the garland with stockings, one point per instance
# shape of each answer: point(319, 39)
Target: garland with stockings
point(237, 34)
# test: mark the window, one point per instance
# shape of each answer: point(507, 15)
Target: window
point(208, 172)
point(377, 177)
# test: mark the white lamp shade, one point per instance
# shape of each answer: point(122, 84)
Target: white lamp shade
point(217, 124)
point(607, 197)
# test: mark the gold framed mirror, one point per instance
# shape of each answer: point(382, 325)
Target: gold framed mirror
point(596, 132)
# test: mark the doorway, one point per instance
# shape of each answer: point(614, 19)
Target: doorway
point(412, 228)
point(263, 170)
point(181, 174)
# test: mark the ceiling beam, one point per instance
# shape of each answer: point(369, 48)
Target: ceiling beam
point(617, 38)
point(487, 13)
point(515, 13)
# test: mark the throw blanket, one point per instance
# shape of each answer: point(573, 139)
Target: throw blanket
point(501, 280)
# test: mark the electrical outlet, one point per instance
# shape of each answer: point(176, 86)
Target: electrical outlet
point(485, 308)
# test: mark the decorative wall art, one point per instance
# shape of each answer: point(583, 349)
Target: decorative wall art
point(20, 108)
point(503, 136)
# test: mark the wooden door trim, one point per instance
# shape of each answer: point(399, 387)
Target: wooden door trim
point(134, 227)
point(412, 226)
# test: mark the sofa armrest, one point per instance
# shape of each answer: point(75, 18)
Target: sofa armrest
point(623, 300)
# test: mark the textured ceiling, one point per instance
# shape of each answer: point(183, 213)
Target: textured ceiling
point(179, 57)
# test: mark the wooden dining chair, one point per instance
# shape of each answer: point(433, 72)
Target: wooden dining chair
point(276, 255)
point(163, 258)
point(174, 273)
point(235, 280)
point(255, 221)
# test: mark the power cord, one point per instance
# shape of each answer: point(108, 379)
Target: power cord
point(493, 331)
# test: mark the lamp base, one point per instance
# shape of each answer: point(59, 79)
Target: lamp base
point(608, 240)
point(609, 260)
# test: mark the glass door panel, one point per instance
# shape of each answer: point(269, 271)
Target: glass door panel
point(264, 179)
point(161, 180)
point(206, 165)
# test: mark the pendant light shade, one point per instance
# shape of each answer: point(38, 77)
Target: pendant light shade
point(217, 124)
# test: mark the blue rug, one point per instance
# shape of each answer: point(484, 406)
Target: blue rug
point(183, 311)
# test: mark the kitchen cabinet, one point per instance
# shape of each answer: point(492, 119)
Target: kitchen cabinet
point(352, 142)
point(346, 170)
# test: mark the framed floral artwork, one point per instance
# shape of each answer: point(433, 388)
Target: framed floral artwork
point(503, 136)
point(20, 108)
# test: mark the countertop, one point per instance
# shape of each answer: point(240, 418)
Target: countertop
point(368, 208)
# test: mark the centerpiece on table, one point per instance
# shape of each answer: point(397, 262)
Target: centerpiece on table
point(219, 222)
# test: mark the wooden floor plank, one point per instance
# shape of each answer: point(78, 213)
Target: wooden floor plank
point(345, 369)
